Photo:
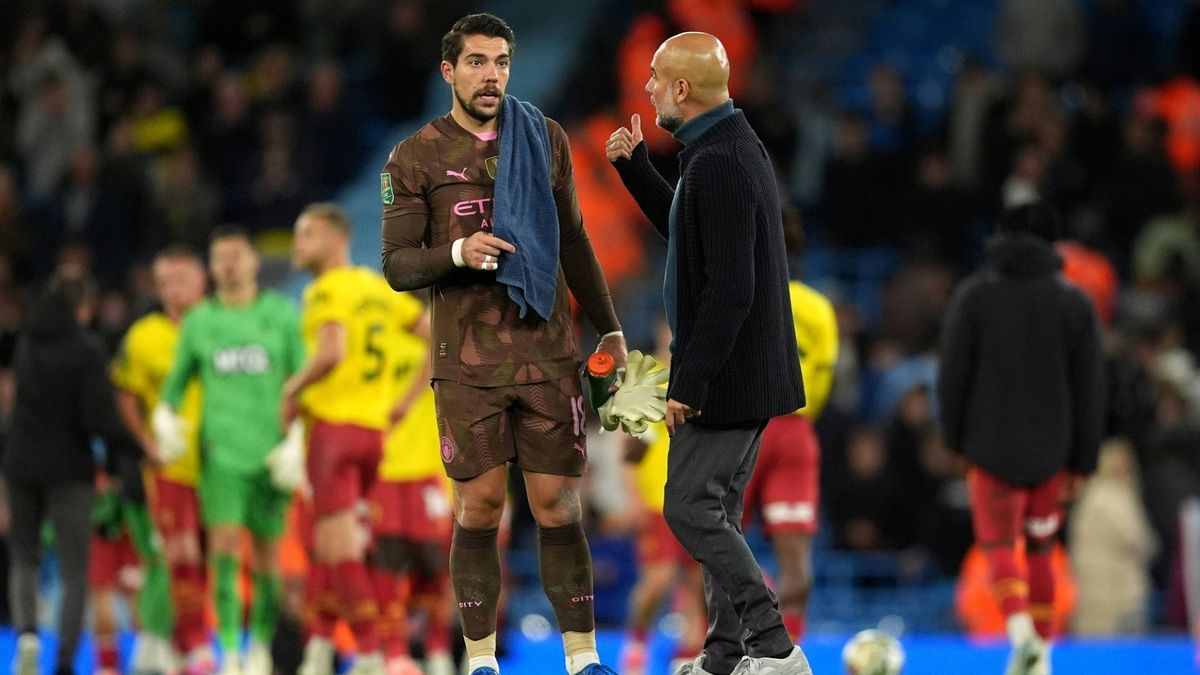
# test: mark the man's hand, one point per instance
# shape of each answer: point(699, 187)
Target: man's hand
point(481, 251)
point(614, 346)
point(621, 143)
point(678, 414)
point(286, 461)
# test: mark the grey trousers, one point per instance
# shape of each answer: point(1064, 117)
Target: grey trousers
point(707, 473)
point(68, 506)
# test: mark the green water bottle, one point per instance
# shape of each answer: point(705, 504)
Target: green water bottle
point(601, 373)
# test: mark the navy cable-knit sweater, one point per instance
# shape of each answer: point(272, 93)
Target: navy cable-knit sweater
point(735, 354)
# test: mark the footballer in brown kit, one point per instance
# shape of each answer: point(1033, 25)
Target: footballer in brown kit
point(506, 387)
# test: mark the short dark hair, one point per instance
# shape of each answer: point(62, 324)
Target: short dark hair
point(230, 232)
point(488, 25)
point(179, 251)
point(73, 287)
point(1035, 218)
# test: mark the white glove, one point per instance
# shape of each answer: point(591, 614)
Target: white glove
point(640, 400)
point(286, 461)
point(170, 432)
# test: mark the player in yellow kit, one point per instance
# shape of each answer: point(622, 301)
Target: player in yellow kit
point(784, 488)
point(146, 356)
point(345, 393)
point(411, 518)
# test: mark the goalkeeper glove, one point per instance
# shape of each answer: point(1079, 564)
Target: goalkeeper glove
point(641, 400)
point(286, 461)
point(170, 431)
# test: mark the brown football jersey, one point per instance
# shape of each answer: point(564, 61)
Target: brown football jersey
point(446, 174)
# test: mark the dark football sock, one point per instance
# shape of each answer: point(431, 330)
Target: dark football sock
point(475, 574)
point(566, 565)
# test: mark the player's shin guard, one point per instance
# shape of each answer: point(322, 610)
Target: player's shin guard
point(353, 586)
point(187, 594)
point(475, 574)
point(264, 613)
point(566, 567)
point(1039, 560)
point(1008, 586)
point(228, 604)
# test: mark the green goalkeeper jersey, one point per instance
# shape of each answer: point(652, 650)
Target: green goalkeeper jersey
point(243, 356)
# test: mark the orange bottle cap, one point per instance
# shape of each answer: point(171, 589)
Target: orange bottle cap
point(600, 364)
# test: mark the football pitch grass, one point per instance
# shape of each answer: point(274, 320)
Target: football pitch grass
point(928, 655)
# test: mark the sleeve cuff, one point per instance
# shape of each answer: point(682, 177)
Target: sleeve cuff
point(614, 333)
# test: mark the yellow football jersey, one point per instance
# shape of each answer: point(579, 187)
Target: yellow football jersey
point(651, 473)
point(360, 389)
point(817, 342)
point(412, 448)
point(145, 358)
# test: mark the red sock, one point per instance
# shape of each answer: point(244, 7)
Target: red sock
point(1010, 589)
point(1041, 592)
point(108, 658)
point(795, 625)
point(436, 591)
point(320, 603)
point(352, 584)
point(390, 596)
point(188, 595)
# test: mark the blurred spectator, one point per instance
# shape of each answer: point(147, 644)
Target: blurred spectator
point(1117, 22)
point(892, 126)
point(1112, 545)
point(227, 138)
point(975, 93)
point(1045, 36)
point(185, 204)
point(1177, 103)
point(937, 213)
point(865, 506)
point(408, 45)
point(156, 126)
point(945, 520)
point(280, 189)
point(49, 131)
point(1169, 245)
point(1140, 184)
point(860, 189)
point(14, 228)
point(1088, 269)
point(331, 131)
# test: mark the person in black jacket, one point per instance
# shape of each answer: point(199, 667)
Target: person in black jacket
point(64, 399)
point(1021, 396)
point(734, 363)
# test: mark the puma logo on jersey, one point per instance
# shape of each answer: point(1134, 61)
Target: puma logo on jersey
point(245, 360)
point(461, 175)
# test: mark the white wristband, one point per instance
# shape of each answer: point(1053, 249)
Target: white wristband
point(615, 333)
point(456, 252)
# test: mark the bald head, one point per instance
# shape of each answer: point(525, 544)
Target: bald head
point(689, 74)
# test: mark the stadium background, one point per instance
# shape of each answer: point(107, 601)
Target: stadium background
point(899, 128)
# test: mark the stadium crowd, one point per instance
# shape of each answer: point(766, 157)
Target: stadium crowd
point(126, 126)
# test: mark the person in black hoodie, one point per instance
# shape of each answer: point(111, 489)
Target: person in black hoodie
point(64, 399)
point(1021, 396)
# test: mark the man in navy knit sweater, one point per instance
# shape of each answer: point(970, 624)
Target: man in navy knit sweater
point(734, 362)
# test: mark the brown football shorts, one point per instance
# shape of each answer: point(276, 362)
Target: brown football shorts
point(540, 426)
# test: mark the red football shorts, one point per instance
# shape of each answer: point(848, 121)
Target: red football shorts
point(342, 463)
point(656, 544)
point(108, 558)
point(174, 507)
point(784, 487)
point(414, 510)
point(1002, 512)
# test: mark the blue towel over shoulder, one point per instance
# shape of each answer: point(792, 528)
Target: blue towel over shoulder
point(525, 214)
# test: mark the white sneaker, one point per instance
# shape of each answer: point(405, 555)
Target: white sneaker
point(318, 657)
point(1031, 657)
point(440, 663)
point(258, 660)
point(693, 667)
point(231, 666)
point(794, 663)
point(29, 651)
point(368, 664)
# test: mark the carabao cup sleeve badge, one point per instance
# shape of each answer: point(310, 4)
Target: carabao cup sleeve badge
point(385, 188)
